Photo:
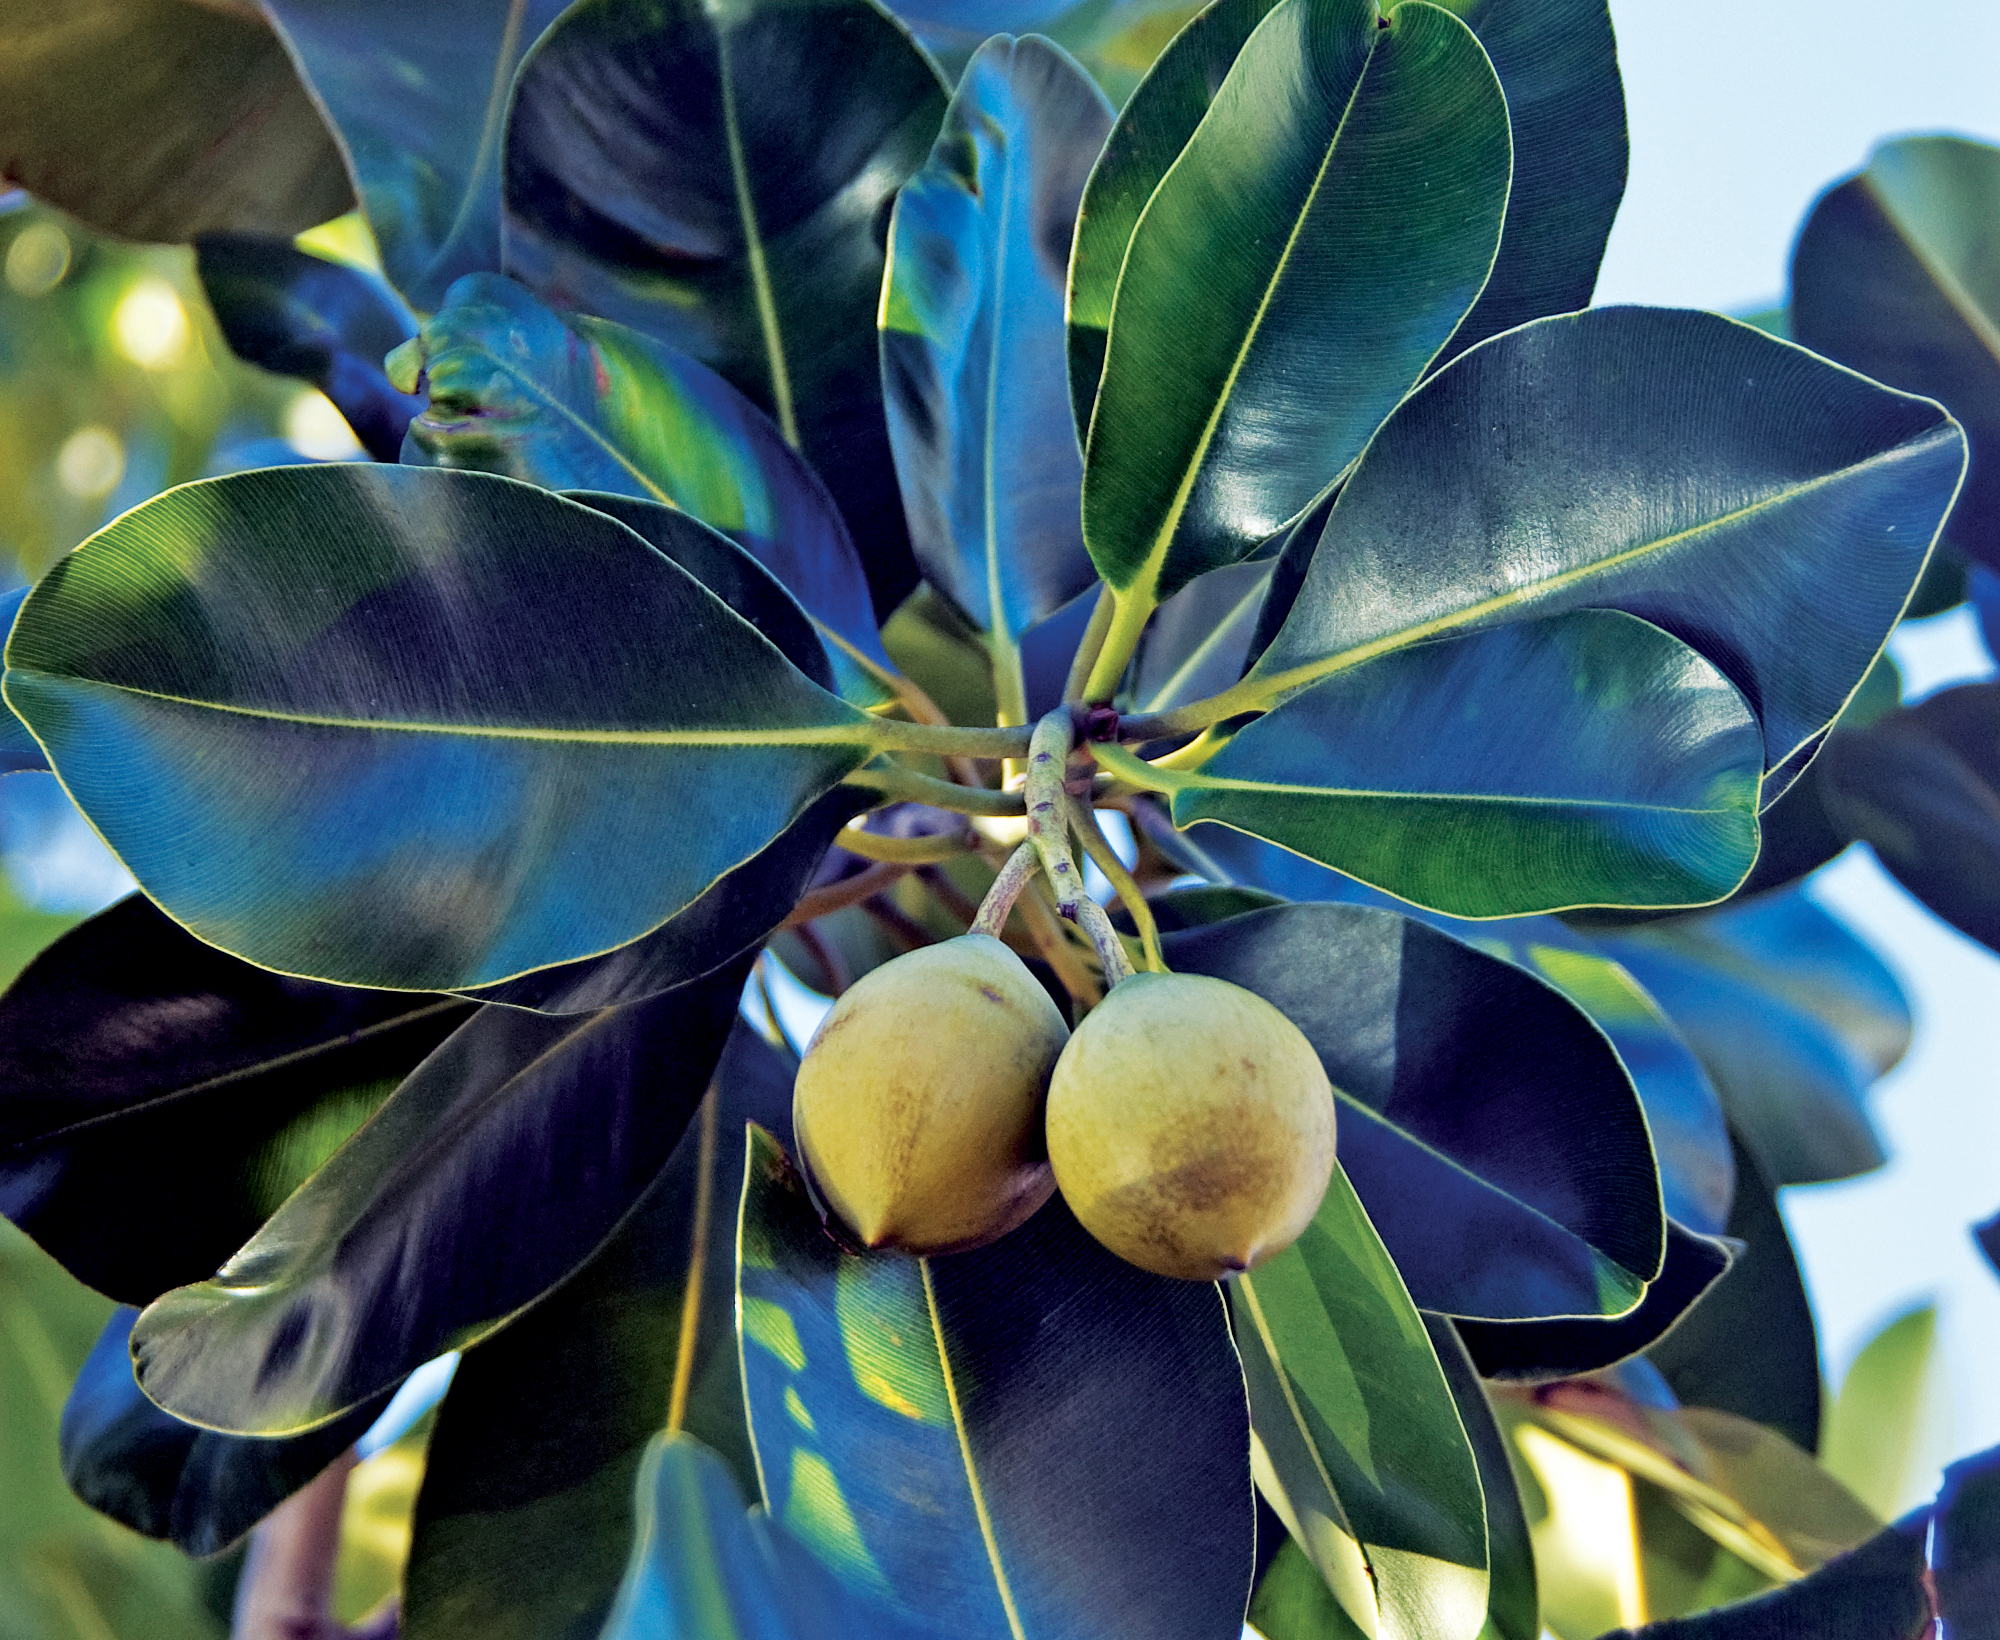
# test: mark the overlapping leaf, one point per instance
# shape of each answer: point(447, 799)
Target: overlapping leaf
point(525, 1518)
point(301, 315)
point(1527, 478)
point(1485, 1122)
point(1513, 1608)
point(414, 727)
point(1339, 157)
point(19, 751)
point(976, 1441)
point(716, 179)
point(1200, 639)
point(416, 94)
point(973, 343)
point(159, 1099)
point(162, 119)
point(1581, 759)
point(1359, 1446)
point(499, 1166)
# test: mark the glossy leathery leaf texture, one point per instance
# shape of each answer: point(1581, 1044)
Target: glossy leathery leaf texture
point(159, 1098)
point(416, 95)
point(497, 1168)
point(19, 750)
point(1200, 639)
point(199, 1490)
point(1894, 273)
point(1683, 1114)
point(525, 1518)
point(1792, 476)
point(717, 178)
point(1338, 158)
point(301, 315)
point(1292, 1601)
point(973, 360)
point(232, 686)
point(1151, 131)
point(1922, 787)
point(1558, 65)
point(575, 403)
point(1358, 1443)
point(1513, 1609)
point(1965, 1564)
point(162, 119)
point(1581, 759)
point(1486, 1124)
point(973, 1441)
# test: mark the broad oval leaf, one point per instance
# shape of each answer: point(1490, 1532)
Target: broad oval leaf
point(525, 1518)
point(304, 316)
point(1339, 158)
point(412, 727)
point(1513, 1606)
point(20, 752)
point(1732, 489)
point(1359, 1446)
point(198, 1490)
point(1894, 274)
point(575, 403)
point(159, 1099)
point(1965, 1567)
point(162, 119)
point(716, 179)
point(497, 1168)
point(416, 94)
point(972, 342)
point(1485, 1122)
point(1032, 1438)
point(1200, 639)
point(1582, 759)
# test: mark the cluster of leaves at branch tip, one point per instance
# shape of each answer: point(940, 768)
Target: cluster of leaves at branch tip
point(1188, 1123)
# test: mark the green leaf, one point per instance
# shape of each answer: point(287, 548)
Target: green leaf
point(162, 119)
point(1199, 640)
point(1583, 759)
point(417, 95)
point(1964, 1565)
point(972, 343)
point(1339, 157)
point(1875, 1436)
point(1359, 1446)
point(400, 1248)
point(718, 179)
point(1513, 1608)
point(411, 727)
point(1893, 274)
point(980, 1442)
point(575, 403)
point(162, 1098)
point(1803, 498)
point(1293, 1602)
point(19, 751)
point(525, 1519)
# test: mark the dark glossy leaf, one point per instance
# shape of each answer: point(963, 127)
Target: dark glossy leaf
point(1513, 1605)
point(159, 1099)
point(1536, 1350)
point(1293, 1602)
point(1749, 1346)
point(162, 119)
point(1199, 640)
point(1894, 274)
point(1984, 586)
point(1154, 127)
point(525, 1517)
point(301, 315)
point(576, 403)
point(1789, 475)
point(1558, 65)
point(973, 362)
point(1359, 1446)
point(980, 1442)
point(19, 750)
point(495, 1170)
point(1582, 759)
point(417, 94)
point(1338, 157)
point(1875, 1592)
point(1485, 1122)
point(1922, 787)
point(1965, 1554)
point(718, 180)
point(414, 727)
point(165, 1479)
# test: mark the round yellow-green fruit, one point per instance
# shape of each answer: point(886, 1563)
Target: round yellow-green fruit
point(1190, 1126)
point(918, 1107)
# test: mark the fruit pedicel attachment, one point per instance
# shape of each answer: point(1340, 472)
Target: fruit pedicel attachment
point(1188, 1123)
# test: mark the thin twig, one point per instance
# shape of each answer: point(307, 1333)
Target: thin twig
point(897, 783)
point(909, 851)
point(1007, 885)
point(820, 902)
point(1093, 641)
point(1056, 950)
point(1091, 918)
point(1048, 807)
point(1099, 848)
point(286, 1592)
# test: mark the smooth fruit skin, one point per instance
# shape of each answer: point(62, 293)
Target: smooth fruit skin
point(1190, 1126)
point(918, 1108)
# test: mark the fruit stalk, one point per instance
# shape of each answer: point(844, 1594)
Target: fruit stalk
point(1048, 807)
point(1007, 885)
